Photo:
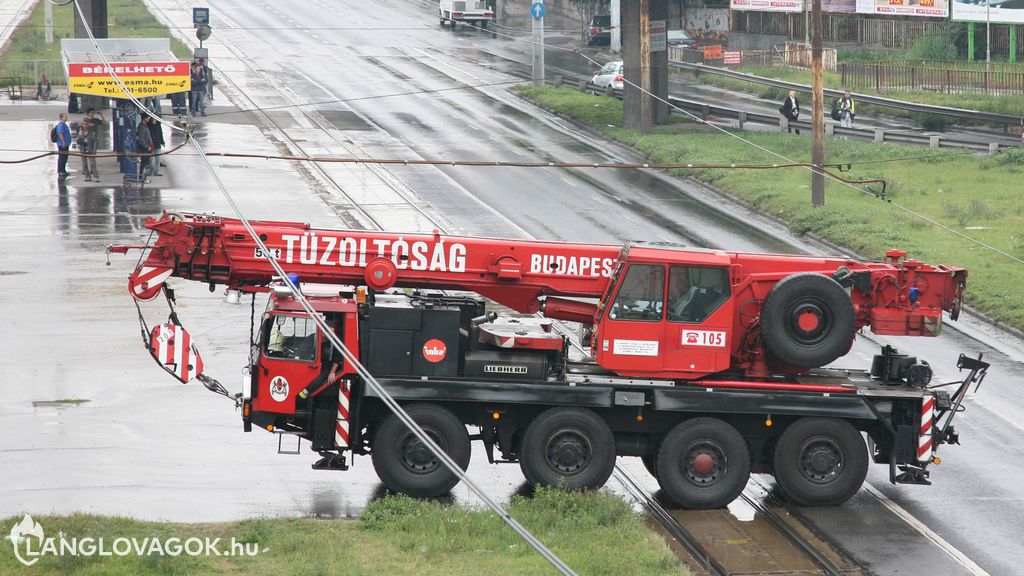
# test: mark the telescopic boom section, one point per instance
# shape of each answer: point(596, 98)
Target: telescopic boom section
point(514, 273)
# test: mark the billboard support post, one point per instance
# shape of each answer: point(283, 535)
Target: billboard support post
point(970, 41)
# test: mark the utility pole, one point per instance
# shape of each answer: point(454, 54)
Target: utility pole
point(645, 67)
point(817, 110)
point(537, 10)
point(988, 39)
point(48, 22)
point(615, 42)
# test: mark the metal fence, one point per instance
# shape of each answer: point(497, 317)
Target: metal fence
point(949, 80)
point(31, 71)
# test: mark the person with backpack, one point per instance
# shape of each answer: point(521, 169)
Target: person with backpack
point(846, 110)
point(61, 136)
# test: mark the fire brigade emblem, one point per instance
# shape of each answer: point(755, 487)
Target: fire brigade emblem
point(279, 389)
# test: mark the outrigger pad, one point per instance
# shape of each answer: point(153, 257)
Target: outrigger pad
point(172, 347)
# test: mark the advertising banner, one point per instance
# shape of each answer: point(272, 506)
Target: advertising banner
point(768, 5)
point(140, 78)
point(658, 32)
point(1000, 11)
point(932, 8)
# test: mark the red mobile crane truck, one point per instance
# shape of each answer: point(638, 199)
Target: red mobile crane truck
point(706, 364)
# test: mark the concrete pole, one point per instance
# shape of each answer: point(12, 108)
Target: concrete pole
point(538, 50)
point(988, 40)
point(645, 67)
point(48, 21)
point(616, 19)
point(817, 110)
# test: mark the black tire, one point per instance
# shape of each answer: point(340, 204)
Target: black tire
point(820, 461)
point(483, 24)
point(404, 464)
point(571, 448)
point(808, 320)
point(651, 463)
point(703, 463)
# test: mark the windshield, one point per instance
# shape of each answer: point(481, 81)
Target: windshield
point(678, 35)
point(291, 337)
point(601, 21)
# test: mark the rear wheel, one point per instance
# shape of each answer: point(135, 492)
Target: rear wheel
point(571, 448)
point(703, 463)
point(406, 465)
point(820, 461)
point(651, 463)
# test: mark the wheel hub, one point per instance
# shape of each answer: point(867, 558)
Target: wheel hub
point(821, 460)
point(415, 455)
point(705, 463)
point(568, 451)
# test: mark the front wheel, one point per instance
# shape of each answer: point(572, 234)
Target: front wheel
point(703, 463)
point(570, 448)
point(405, 464)
point(820, 461)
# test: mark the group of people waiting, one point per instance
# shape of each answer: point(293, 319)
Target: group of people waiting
point(149, 140)
point(201, 90)
point(844, 109)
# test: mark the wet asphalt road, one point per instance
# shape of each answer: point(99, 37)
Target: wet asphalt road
point(146, 446)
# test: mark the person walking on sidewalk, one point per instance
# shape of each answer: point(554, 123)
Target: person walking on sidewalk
point(156, 131)
point(62, 137)
point(847, 110)
point(198, 78)
point(791, 110)
point(144, 144)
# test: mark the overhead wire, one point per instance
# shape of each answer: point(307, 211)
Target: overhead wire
point(338, 345)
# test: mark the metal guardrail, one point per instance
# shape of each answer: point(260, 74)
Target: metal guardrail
point(1005, 119)
point(704, 110)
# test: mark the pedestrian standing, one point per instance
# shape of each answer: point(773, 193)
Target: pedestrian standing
point(156, 131)
point(178, 104)
point(144, 144)
point(93, 122)
point(84, 139)
point(847, 110)
point(61, 136)
point(791, 110)
point(198, 79)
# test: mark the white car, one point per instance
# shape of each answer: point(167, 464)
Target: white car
point(609, 75)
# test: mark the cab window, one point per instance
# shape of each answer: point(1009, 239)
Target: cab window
point(694, 292)
point(290, 337)
point(641, 295)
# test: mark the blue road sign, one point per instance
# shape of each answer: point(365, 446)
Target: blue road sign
point(200, 15)
point(538, 10)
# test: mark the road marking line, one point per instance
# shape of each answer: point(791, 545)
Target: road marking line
point(927, 532)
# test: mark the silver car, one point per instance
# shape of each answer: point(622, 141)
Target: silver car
point(609, 75)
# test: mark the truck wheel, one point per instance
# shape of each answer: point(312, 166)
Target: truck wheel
point(808, 320)
point(703, 463)
point(651, 463)
point(483, 24)
point(404, 464)
point(571, 448)
point(820, 461)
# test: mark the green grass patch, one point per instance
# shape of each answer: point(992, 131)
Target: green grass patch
point(125, 19)
point(594, 533)
point(1012, 105)
point(977, 196)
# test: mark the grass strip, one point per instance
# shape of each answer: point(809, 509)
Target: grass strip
point(979, 196)
point(594, 533)
point(125, 19)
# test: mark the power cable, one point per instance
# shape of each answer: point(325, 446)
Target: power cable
point(338, 345)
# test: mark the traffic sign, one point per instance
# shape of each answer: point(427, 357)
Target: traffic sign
point(200, 16)
point(537, 10)
point(203, 32)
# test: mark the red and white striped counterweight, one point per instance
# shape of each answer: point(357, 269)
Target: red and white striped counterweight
point(172, 347)
point(925, 443)
point(341, 426)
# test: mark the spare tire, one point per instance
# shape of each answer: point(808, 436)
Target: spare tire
point(807, 320)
